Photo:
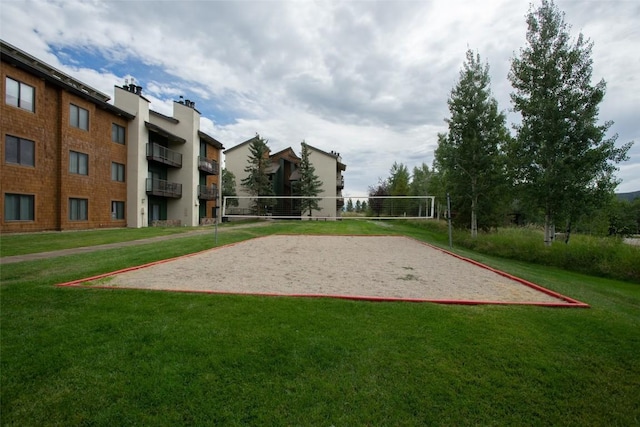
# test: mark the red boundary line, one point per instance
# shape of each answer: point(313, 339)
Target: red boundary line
point(569, 302)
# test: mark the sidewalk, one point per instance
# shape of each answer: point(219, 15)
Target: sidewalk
point(88, 249)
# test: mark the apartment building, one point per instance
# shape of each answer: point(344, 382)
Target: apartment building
point(63, 155)
point(284, 172)
point(71, 160)
point(174, 167)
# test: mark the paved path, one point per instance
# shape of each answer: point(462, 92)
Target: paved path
point(87, 249)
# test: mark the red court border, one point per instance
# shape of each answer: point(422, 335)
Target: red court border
point(567, 301)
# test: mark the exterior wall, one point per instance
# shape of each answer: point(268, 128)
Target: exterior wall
point(325, 167)
point(49, 181)
point(235, 161)
point(136, 139)
point(214, 153)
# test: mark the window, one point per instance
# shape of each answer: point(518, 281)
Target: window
point(117, 133)
point(78, 209)
point(117, 172)
point(117, 210)
point(20, 95)
point(78, 117)
point(78, 163)
point(19, 151)
point(18, 207)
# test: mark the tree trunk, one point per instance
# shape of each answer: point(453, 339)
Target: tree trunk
point(474, 218)
point(548, 229)
point(568, 232)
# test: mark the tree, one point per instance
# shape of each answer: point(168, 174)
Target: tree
point(377, 204)
point(358, 206)
point(257, 181)
point(561, 161)
point(420, 185)
point(229, 187)
point(398, 185)
point(350, 205)
point(469, 154)
point(309, 185)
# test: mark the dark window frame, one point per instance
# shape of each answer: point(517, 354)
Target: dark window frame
point(75, 165)
point(19, 157)
point(76, 118)
point(78, 209)
point(16, 215)
point(117, 209)
point(19, 99)
point(118, 134)
point(118, 173)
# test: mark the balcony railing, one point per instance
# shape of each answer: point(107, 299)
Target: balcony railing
point(340, 182)
point(208, 192)
point(162, 188)
point(208, 165)
point(163, 155)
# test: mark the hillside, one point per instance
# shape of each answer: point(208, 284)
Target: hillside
point(628, 196)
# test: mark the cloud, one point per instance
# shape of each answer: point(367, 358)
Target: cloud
point(367, 79)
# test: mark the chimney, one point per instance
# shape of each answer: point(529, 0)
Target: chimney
point(138, 90)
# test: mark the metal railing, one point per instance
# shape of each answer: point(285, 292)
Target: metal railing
point(208, 192)
point(208, 165)
point(164, 155)
point(162, 188)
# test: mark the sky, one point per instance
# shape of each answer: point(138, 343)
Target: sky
point(367, 79)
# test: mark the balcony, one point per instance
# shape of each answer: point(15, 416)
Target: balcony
point(160, 154)
point(162, 188)
point(207, 165)
point(340, 182)
point(209, 192)
point(340, 203)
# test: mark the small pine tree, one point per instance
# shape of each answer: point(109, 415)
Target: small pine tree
point(229, 187)
point(257, 182)
point(309, 185)
point(350, 205)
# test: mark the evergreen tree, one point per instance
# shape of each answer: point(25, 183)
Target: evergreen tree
point(229, 187)
point(469, 155)
point(257, 182)
point(561, 160)
point(309, 185)
point(350, 205)
point(358, 206)
point(398, 186)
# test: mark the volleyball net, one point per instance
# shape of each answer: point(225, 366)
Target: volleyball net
point(327, 207)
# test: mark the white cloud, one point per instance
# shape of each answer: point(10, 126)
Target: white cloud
point(367, 79)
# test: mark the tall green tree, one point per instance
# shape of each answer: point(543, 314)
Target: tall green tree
point(469, 154)
point(309, 185)
point(420, 186)
point(561, 160)
point(398, 185)
point(257, 182)
point(229, 187)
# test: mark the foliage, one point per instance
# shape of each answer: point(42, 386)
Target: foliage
point(469, 155)
point(309, 185)
point(229, 186)
point(376, 197)
point(257, 182)
point(561, 161)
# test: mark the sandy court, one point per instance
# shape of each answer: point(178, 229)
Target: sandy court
point(359, 266)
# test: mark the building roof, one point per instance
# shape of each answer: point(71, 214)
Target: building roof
point(162, 116)
point(336, 156)
point(287, 154)
point(210, 140)
point(20, 59)
point(171, 137)
point(248, 141)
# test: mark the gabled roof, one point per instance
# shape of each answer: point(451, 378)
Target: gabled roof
point(287, 154)
point(248, 141)
point(20, 59)
point(210, 140)
point(164, 117)
point(336, 156)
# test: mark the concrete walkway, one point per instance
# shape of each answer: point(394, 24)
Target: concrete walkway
point(88, 249)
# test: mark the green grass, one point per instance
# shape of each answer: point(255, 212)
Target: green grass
point(73, 356)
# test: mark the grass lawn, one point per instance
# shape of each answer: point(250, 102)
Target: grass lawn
point(73, 356)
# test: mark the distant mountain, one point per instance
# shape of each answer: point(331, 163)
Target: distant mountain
point(628, 196)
